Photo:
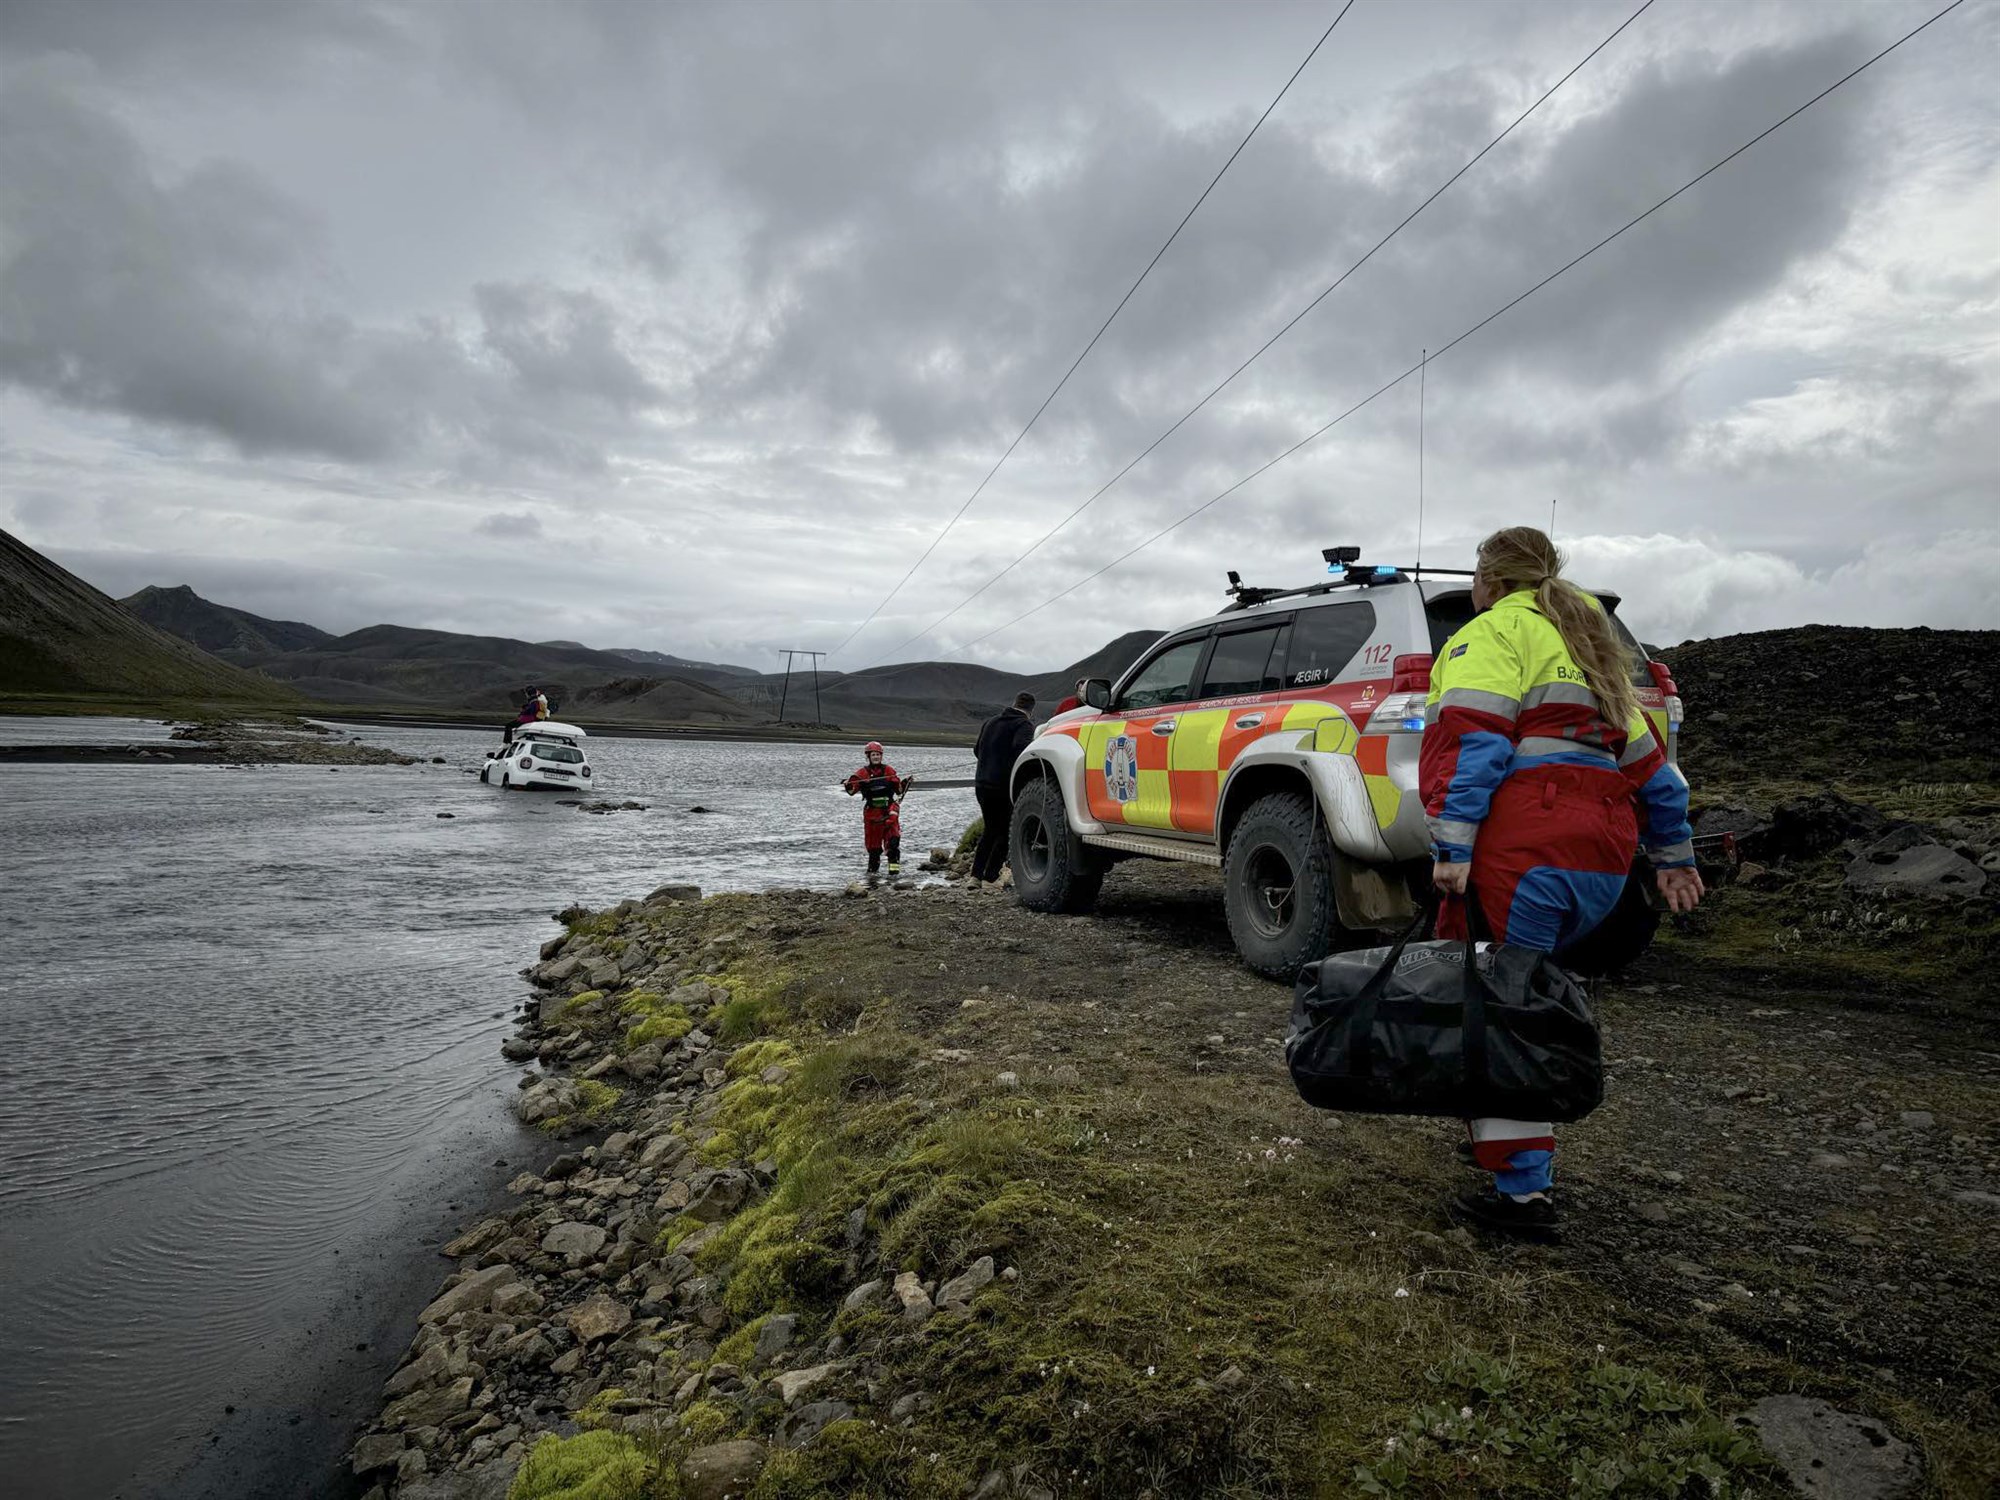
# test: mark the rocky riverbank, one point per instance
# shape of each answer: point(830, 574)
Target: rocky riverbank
point(915, 1193)
point(282, 740)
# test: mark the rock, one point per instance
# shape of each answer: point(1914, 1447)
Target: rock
point(427, 1369)
point(909, 1291)
point(1918, 1119)
point(774, 1075)
point(662, 1151)
point(775, 1337)
point(552, 947)
point(862, 1296)
point(673, 892)
point(957, 1294)
point(447, 815)
point(1829, 1454)
point(519, 1049)
point(567, 1165)
point(488, 1481)
point(712, 1198)
point(379, 1450)
point(1230, 1380)
point(558, 970)
point(598, 1317)
point(430, 1408)
point(1653, 1213)
point(516, 1300)
point(1896, 863)
point(722, 1471)
point(473, 1293)
point(579, 1242)
point(1813, 825)
point(793, 1384)
point(486, 1232)
point(803, 1425)
point(616, 1144)
point(605, 976)
point(1008, 1080)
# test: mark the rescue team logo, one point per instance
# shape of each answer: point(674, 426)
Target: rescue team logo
point(1121, 768)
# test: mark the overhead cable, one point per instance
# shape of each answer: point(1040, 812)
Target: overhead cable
point(1259, 352)
point(980, 488)
point(1433, 357)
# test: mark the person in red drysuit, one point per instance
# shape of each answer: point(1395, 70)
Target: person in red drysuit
point(881, 792)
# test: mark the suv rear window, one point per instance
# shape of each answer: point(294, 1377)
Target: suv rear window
point(1324, 640)
point(1448, 613)
point(1247, 661)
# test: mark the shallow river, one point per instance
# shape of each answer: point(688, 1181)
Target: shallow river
point(251, 1072)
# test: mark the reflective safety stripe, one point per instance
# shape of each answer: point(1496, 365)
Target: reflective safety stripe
point(1672, 855)
point(1638, 749)
point(1536, 744)
point(1559, 692)
point(1449, 832)
point(1480, 701)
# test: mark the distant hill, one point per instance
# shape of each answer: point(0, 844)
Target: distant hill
point(413, 668)
point(1840, 702)
point(216, 627)
point(60, 635)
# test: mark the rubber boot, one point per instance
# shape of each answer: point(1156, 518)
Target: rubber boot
point(895, 856)
point(874, 862)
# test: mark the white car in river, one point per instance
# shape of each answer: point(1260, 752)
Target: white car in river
point(544, 753)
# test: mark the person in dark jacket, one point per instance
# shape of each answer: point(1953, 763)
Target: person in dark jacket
point(1002, 738)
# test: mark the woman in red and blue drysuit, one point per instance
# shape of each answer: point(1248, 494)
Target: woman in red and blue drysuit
point(881, 792)
point(1541, 778)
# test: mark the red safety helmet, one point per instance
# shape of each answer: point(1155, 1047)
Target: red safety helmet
point(873, 747)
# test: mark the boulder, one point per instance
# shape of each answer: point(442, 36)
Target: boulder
point(556, 970)
point(579, 1242)
point(909, 1292)
point(483, 1234)
point(1830, 1454)
point(722, 1471)
point(714, 1196)
point(379, 1450)
point(673, 891)
point(865, 1295)
point(1902, 860)
point(553, 947)
point(663, 1151)
point(803, 1425)
point(473, 1293)
point(957, 1294)
point(598, 1317)
point(430, 1408)
point(428, 1368)
point(1813, 825)
point(775, 1337)
point(793, 1384)
point(488, 1481)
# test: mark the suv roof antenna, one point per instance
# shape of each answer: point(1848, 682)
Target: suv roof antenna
point(1423, 372)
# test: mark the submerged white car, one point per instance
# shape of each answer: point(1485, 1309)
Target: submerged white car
point(544, 753)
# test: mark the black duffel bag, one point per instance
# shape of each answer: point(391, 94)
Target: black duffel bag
point(1445, 1028)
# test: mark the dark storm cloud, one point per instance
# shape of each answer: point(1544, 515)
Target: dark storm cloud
point(198, 299)
point(719, 311)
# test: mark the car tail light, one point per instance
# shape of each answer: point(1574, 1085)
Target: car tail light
point(1670, 692)
point(1413, 674)
point(1399, 713)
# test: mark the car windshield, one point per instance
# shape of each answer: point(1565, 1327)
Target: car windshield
point(565, 754)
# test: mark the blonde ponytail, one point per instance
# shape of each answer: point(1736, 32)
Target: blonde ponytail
point(1520, 557)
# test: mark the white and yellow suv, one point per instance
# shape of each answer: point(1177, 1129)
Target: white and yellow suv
point(1276, 741)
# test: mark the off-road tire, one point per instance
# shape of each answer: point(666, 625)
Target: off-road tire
point(1054, 870)
point(1620, 938)
point(506, 782)
point(1280, 845)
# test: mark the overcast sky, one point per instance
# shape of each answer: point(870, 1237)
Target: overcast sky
point(694, 324)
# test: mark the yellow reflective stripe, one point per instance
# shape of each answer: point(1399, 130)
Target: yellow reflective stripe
point(1154, 807)
point(1386, 798)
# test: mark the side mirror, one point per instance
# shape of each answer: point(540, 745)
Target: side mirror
point(1097, 692)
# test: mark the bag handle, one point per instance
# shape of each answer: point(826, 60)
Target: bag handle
point(1362, 1028)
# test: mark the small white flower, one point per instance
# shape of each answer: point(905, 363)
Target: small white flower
point(1465, 1413)
point(1390, 1446)
point(1150, 1370)
point(1600, 1348)
point(1402, 1291)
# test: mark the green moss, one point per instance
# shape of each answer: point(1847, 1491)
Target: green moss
point(969, 840)
point(589, 1466)
point(719, 1150)
point(596, 1412)
point(578, 1001)
point(653, 1018)
point(738, 1348)
point(596, 924)
point(706, 1422)
point(758, 1056)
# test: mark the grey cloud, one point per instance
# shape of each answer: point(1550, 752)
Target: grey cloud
point(517, 524)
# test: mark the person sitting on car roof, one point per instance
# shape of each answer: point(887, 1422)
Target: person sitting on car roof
point(1540, 778)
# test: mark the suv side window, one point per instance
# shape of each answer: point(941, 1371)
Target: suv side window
point(1167, 678)
point(1246, 661)
point(1324, 641)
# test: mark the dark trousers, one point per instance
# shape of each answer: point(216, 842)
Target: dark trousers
point(996, 806)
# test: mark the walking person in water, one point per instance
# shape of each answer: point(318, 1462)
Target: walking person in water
point(1541, 779)
point(1002, 738)
point(881, 792)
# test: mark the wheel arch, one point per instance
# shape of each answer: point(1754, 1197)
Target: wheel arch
point(1368, 889)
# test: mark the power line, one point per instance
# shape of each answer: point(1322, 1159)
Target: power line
point(960, 512)
point(1491, 317)
point(1295, 320)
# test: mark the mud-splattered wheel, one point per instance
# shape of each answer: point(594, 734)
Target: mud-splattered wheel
point(1054, 870)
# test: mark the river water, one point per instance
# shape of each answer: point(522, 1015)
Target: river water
point(251, 1075)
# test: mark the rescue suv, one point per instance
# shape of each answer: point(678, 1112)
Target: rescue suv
point(1277, 741)
point(543, 753)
